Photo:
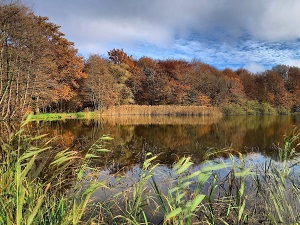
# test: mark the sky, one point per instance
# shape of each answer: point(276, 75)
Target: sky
point(251, 34)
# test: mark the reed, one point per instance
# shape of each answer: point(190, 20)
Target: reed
point(42, 187)
point(178, 197)
point(232, 192)
point(160, 119)
point(277, 183)
point(166, 110)
point(30, 194)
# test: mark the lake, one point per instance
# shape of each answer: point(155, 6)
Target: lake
point(170, 137)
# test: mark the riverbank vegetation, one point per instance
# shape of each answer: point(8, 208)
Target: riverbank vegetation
point(60, 116)
point(132, 110)
point(165, 110)
point(41, 71)
point(44, 185)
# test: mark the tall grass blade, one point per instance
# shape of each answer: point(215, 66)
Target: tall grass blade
point(173, 213)
point(196, 201)
point(37, 207)
point(159, 195)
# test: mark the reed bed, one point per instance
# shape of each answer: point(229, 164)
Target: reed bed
point(166, 110)
point(145, 120)
point(40, 186)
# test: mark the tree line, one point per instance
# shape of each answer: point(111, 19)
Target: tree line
point(41, 71)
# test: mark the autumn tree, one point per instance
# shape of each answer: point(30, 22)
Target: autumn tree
point(40, 69)
point(121, 75)
point(282, 70)
point(153, 82)
point(209, 82)
point(101, 86)
point(292, 85)
point(134, 76)
point(250, 87)
point(8, 21)
point(20, 52)
point(176, 73)
point(67, 71)
point(235, 87)
point(276, 92)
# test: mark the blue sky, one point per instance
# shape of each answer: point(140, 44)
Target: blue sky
point(251, 34)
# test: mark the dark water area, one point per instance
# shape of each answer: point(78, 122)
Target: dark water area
point(169, 137)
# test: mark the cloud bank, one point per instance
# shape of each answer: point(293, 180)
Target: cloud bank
point(231, 33)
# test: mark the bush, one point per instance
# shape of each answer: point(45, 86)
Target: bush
point(251, 107)
point(232, 110)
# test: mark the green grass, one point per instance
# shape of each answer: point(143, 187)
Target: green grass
point(61, 116)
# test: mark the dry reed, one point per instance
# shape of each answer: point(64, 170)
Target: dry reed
point(145, 120)
point(166, 110)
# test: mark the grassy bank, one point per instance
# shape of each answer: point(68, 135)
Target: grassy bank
point(233, 109)
point(61, 116)
point(131, 110)
point(42, 185)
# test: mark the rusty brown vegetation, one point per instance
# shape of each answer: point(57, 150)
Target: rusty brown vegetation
point(41, 71)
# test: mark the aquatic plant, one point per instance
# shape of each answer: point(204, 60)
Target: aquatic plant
point(277, 183)
point(31, 196)
point(167, 110)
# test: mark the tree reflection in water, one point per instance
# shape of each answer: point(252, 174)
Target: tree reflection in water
point(169, 137)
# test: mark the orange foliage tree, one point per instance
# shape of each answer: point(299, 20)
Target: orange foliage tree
point(39, 68)
point(101, 87)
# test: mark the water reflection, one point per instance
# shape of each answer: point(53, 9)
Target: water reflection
point(170, 137)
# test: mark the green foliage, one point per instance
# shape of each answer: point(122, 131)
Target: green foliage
point(137, 196)
point(240, 172)
point(251, 107)
point(186, 196)
point(284, 110)
point(30, 197)
point(232, 110)
point(267, 109)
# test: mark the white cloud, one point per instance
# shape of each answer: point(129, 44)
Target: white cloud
point(222, 33)
point(255, 67)
point(279, 21)
point(269, 19)
point(292, 62)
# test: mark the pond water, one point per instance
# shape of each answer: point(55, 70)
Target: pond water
point(171, 137)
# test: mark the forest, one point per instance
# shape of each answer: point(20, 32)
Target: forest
point(42, 71)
